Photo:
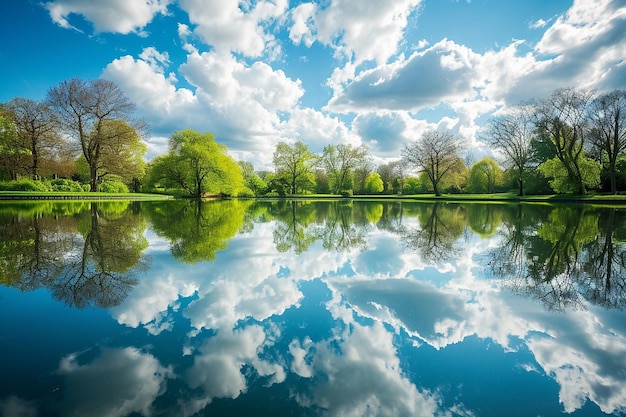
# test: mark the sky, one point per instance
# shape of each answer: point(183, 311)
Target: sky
point(259, 72)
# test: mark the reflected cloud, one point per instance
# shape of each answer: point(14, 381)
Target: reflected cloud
point(218, 367)
point(117, 383)
point(359, 374)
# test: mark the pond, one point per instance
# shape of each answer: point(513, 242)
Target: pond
point(311, 308)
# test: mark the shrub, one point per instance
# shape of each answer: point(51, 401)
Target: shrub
point(112, 186)
point(65, 185)
point(346, 193)
point(23, 185)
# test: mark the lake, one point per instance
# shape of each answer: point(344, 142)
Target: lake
point(311, 308)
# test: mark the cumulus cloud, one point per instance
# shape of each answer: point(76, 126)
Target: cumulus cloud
point(116, 16)
point(359, 30)
point(232, 25)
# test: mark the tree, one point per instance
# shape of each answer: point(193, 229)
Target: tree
point(123, 155)
point(512, 134)
point(374, 184)
point(37, 130)
point(198, 165)
point(608, 129)
point(295, 164)
point(12, 154)
point(435, 154)
point(85, 109)
point(485, 176)
point(562, 118)
point(340, 161)
point(251, 179)
point(561, 180)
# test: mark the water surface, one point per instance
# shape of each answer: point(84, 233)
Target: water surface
point(301, 308)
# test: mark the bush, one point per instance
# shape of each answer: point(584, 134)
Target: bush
point(64, 185)
point(23, 185)
point(113, 187)
point(346, 193)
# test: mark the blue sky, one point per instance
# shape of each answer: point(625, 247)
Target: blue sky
point(254, 73)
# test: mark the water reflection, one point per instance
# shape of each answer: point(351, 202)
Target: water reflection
point(320, 308)
point(86, 254)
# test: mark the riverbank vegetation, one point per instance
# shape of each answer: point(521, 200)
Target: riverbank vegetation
point(84, 137)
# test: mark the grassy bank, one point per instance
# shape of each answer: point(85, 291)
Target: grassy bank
point(40, 195)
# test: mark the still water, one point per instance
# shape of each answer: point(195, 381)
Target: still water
point(300, 308)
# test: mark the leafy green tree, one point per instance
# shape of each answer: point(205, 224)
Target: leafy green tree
point(123, 155)
point(197, 165)
point(251, 180)
point(374, 184)
point(436, 153)
point(14, 156)
point(85, 109)
point(37, 131)
point(562, 118)
point(485, 176)
point(295, 164)
point(340, 161)
point(412, 185)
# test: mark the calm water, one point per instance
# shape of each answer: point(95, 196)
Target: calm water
point(311, 309)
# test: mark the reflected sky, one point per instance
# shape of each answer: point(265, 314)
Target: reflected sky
point(348, 312)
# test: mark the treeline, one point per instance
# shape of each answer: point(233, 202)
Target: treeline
point(84, 136)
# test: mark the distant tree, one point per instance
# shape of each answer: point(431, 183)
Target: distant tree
point(251, 179)
point(561, 180)
point(37, 130)
point(412, 185)
point(485, 176)
point(608, 129)
point(512, 134)
point(340, 161)
point(322, 185)
point(435, 154)
point(85, 109)
point(387, 175)
point(360, 175)
point(563, 119)
point(197, 165)
point(123, 155)
point(294, 164)
point(374, 184)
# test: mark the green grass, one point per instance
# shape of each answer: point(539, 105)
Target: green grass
point(78, 195)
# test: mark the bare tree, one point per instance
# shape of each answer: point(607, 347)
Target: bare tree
point(563, 118)
point(608, 128)
point(435, 153)
point(84, 107)
point(512, 134)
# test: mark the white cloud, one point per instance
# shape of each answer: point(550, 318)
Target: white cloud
point(359, 30)
point(116, 16)
point(233, 25)
point(115, 384)
point(380, 388)
point(218, 368)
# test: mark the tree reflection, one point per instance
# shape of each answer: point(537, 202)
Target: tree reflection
point(197, 229)
point(103, 269)
point(90, 258)
point(569, 256)
point(441, 225)
point(339, 225)
point(603, 272)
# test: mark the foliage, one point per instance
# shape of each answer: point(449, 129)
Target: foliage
point(562, 119)
point(23, 185)
point(65, 185)
point(340, 161)
point(562, 181)
point(196, 165)
point(294, 165)
point(374, 184)
point(99, 118)
point(113, 186)
point(485, 176)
